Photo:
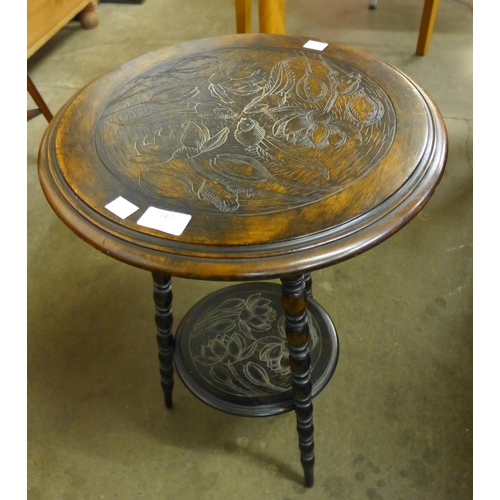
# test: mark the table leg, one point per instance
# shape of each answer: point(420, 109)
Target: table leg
point(88, 16)
point(164, 321)
point(272, 16)
point(426, 26)
point(297, 333)
point(243, 16)
point(39, 101)
point(309, 283)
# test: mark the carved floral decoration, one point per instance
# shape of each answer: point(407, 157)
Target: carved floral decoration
point(230, 132)
point(241, 348)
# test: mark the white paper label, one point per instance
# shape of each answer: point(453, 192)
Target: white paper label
point(121, 207)
point(163, 220)
point(311, 44)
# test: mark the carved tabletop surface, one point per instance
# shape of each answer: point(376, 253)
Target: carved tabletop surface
point(286, 158)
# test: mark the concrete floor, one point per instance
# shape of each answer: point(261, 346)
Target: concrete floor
point(395, 422)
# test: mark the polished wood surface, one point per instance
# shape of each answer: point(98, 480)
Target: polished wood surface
point(288, 159)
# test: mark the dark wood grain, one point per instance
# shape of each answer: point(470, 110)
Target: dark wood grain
point(286, 158)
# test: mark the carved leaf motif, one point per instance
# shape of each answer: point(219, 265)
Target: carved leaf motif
point(256, 374)
point(311, 88)
point(218, 92)
point(171, 95)
point(194, 65)
point(241, 87)
point(139, 115)
point(195, 134)
point(221, 375)
point(213, 110)
point(216, 141)
point(240, 168)
point(150, 105)
point(281, 79)
point(248, 74)
point(231, 305)
point(140, 87)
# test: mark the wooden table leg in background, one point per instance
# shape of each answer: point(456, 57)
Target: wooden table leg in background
point(427, 26)
point(88, 16)
point(243, 16)
point(39, 102)
point(271, 16)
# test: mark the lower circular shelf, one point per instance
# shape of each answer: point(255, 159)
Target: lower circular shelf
point(231, 350)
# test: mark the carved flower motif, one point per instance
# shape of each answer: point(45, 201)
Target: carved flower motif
point(313, 129)
point(235, 80)
point(257, 375)
point(256, 315)
point(187, 141)
point(225, 350)
point(276, 356)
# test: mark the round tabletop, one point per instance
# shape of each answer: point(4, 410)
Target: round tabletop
point(243, 157)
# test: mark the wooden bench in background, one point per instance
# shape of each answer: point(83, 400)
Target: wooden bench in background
point(45, 19)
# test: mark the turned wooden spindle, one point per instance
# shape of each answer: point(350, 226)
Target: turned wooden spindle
point(297, 333)
point(164, 321)
point(309, 283)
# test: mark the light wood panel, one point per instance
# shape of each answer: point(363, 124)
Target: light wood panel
point(47, 17)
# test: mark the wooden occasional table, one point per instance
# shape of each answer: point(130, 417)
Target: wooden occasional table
point(281, 159)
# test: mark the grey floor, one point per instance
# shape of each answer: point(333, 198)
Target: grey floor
point(395, 422)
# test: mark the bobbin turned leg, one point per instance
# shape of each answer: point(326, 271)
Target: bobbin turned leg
point(164, 320)
point(297, 333)
point(309, 283)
